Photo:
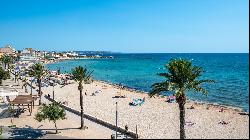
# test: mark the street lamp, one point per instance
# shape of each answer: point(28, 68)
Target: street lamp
point(15, 76)
point(53, 91)
point(116, 115)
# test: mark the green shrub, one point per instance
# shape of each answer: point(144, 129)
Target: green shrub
point(52, 112)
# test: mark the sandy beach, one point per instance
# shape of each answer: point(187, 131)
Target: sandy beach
point(99, 62)
point(155, 118)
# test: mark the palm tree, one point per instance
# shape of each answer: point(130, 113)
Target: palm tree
point(17, 76)
point(38, 71)
point(181, 76)
point(25, 83)
point(81, 75)
point(11, 67)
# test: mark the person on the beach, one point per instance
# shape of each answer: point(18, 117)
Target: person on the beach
point(192, 107)
point(126, 127)
point(167, 98)
point(221, 110)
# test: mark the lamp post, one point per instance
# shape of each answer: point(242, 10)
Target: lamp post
point(31, 81)
point(18, 72)
point(53, 91)
point(136, 132)
point(116, 115)
point(15, 76)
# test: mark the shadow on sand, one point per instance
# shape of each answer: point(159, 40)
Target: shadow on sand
point(32, 133)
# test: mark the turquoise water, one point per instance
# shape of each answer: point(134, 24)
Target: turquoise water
point(230, 71)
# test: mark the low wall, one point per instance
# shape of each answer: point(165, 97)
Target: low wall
point(96, 120)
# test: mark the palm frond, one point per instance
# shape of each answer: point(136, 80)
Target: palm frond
point(81, 74)
point(181, 75)
point(166, 75)
point(37, 70)
point(157, 88)
point(200, 89)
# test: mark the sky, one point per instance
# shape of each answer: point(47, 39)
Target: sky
point(129, 26)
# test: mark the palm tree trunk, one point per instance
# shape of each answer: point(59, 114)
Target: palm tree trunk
point(182, 120)
point(26, 89)
point(39, 91)
point(81, 104)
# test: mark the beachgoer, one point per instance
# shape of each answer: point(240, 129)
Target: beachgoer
point(192, 107)
point(221, 110)
point(126, 127)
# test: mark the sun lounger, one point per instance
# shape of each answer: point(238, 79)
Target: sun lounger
point(98, 91)
point(133, 104)
point(137, 102)
point(141, 102)
point(119, 96)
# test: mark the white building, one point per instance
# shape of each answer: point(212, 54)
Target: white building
point(71, 54)
point(28, 54)
point(28, 58)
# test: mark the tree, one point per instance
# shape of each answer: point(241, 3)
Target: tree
point(11, 67)
point(6, 60)
point(81, 75)
point(181, 76)
point(1, 132)
point(17, 75)
point(52, 112)
point(3, 75)
point(38, 71)
point(25, 83)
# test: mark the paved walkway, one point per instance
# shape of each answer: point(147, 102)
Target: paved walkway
point(68, 127)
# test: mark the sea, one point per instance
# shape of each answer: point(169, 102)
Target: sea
point(230, 71)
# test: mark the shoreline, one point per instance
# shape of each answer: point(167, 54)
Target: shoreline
point(117, 86)
point(60, 60)
point(153, 119)
point(155, 113)
point(131, 89)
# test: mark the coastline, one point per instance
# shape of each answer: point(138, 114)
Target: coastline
point(131, 89)
point(155, 118)
point(217, 105)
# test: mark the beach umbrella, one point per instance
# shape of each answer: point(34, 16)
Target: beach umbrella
point(171, 97)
